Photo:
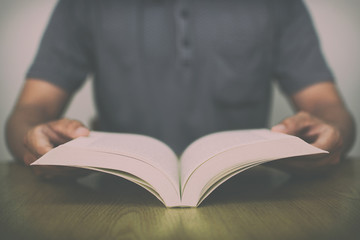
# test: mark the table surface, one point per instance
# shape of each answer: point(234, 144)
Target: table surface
point(261, 203)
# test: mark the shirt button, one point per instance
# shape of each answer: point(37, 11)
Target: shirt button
point(184, 13)
point(186, 62)
point(186, 42)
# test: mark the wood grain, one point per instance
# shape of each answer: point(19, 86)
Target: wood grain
point(261, 203)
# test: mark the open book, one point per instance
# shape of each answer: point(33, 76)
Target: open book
point(203, 166)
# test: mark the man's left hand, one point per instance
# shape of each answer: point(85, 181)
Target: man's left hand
point(319, 134)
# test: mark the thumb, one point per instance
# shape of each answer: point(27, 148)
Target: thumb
point(69, 128)
point(81, 131)
point(294, 125)
point(281, 128)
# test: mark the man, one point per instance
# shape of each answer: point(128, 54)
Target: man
point(177, 70)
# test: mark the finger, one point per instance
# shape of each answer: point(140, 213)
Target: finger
point(42, 138)
point(37, 142)
point(68, 128)
point(296, 125)
point(54, 137)
point(328, 138)
point(29, 158)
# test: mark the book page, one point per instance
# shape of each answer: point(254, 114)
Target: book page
point(144, 148)
point(207, 147)
point(133, 169)
point(221, 162)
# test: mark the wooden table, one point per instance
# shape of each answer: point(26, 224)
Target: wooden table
point(261, 203)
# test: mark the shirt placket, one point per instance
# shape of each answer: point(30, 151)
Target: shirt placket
point(183, 41)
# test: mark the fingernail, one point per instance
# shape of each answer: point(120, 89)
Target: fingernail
point(279, 128)
point(82, 131)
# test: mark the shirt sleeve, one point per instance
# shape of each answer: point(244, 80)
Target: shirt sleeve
point(299, 60)
point(63, 57)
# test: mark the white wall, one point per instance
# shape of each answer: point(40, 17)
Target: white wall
point(22, 23)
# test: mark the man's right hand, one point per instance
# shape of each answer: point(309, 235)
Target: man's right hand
point(44, 137)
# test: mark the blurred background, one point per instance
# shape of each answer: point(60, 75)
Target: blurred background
point(22, 23)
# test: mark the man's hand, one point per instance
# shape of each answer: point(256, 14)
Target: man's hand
point(316, 132)
point(323, 121)
point(42, 138)
point(33, 127)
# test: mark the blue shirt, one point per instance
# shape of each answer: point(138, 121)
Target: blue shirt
point(180, 69)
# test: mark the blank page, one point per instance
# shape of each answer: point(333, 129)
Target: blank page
point(141, 147)
point(207, 147)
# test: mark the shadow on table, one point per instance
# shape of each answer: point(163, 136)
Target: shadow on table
point(260, 202)
point(257, 184)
